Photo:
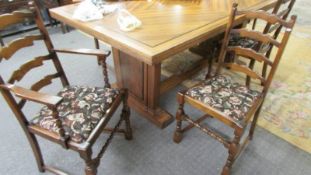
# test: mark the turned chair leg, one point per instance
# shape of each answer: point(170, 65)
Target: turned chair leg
point(126, 112)
point(233, 150)
point(254, 122)
point(36, 150)
point(90, 165)
point(179, 117)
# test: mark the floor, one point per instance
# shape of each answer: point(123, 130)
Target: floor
point(152, 152)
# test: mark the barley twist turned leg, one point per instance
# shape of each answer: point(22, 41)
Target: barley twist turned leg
point(233, 150)
point(179, 117)
point(90, 165)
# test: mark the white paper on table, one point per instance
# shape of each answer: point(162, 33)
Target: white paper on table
point(87, 11)
point(127, 22)
point(108, 8)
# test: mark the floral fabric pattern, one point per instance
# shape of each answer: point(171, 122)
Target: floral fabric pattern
point(243, 42)
point(80, 111)
point(220, 93)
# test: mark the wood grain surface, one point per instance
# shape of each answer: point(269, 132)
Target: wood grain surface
point(168, 27)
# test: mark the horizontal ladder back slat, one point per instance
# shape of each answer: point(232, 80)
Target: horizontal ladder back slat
point(258, 36)
point(270, 18)
point(25, 68)
point(40, 84)
point(7, 51)
point(14, 18)
point(244, 69)
point(44, 82)
point(274, 28)
point(285, 1)
point(249, 53)
point(283, 12)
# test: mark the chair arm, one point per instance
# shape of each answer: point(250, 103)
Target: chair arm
point(95, 52)
point(42, 98)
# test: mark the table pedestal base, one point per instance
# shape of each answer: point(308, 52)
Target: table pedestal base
point(143, 82)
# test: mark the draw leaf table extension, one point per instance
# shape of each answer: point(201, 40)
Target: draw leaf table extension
point(168, 27)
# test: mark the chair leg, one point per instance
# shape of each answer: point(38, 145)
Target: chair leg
point(97, 47)
point(36, 150)
point(126, 112)
point(209, 71)
point(233, 150)
point(251, 66)
point(254, 122)
point(1, 41)
point(264, 70)
point(63, 27)
point(179, 117)
point(90, 165)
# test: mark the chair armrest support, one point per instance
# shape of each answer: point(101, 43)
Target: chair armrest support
point(49, 100)
point(95, 52)
point(42, 98)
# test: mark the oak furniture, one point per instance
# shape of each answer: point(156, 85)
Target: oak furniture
point(282, 9)
point(212, 46)
point(168, 27)
point(7, 6)
point(47, 4)
point(77, 115)
point(234, 104)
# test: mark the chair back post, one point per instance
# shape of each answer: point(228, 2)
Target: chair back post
point(47, 40)
point(255, 55)
point(20, 116)
point(225, 43)
point(10, 49)
point(280, 52)
point(284, 16)
point(275, 10)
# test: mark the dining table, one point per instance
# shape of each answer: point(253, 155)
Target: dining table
point(168, 27)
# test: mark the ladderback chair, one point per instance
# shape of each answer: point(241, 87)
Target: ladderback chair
point(282, 9)
point(232, 103)
point(77, 115)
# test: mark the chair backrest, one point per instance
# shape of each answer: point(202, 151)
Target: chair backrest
point(8, 50)
point(241, 16)
point(282, 9)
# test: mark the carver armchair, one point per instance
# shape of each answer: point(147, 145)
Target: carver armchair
point(77, 115)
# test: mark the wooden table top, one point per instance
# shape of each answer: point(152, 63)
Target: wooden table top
point(168, 26)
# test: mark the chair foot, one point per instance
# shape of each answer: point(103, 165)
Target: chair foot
point(126, 113)
point(128, 136)
point(89, 171)
point(225, 171)
point(177, 137)
point(250, 137)
point(128, 129)
point(36, 151)
point(90, 164)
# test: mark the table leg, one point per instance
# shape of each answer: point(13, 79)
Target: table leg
point(143, 82)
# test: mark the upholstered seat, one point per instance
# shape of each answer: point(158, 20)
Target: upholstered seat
point(224, 95)
point(243, 42)
point(80, 111)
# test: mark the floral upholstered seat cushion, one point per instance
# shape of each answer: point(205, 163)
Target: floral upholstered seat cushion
point(243, 42)
point(80, 111)
point(232, 99)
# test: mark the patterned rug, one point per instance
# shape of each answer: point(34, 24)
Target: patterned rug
point(287, 109)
